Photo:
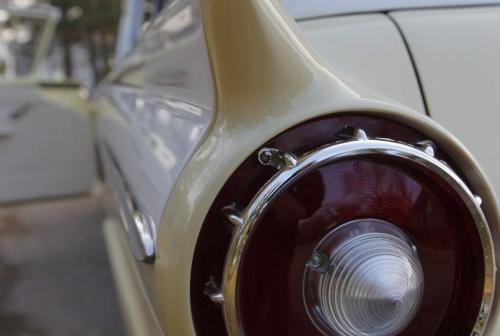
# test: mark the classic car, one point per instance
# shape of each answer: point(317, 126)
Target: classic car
point(290, 169)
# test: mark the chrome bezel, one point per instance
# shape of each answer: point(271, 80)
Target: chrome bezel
point(291, 170)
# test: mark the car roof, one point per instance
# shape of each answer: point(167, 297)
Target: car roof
point(304, 9)
point(42, 11)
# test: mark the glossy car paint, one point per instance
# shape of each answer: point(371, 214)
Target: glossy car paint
point(267, 79)
point(152, 113)
point(300, 9)
point(369, 54)
point(161, 104)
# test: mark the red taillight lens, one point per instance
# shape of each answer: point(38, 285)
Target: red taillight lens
point(361, 237)
point(447, 242)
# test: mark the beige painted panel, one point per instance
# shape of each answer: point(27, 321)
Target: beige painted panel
point(368, 52)
point(136, 307)
point(457, 52)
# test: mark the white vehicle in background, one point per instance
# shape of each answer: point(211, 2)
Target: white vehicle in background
point(45, 133)
point(281, 174)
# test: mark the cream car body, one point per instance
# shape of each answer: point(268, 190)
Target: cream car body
point(209, 82)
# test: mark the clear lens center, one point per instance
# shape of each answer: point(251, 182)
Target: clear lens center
point(364, 278)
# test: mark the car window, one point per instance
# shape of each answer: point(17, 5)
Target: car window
point(158, 5)
point(19, 42)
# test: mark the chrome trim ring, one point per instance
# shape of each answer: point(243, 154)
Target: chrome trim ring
point(291, 170)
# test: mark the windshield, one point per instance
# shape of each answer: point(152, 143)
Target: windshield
point(19, 42)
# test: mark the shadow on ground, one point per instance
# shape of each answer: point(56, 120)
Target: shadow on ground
point(55, 278)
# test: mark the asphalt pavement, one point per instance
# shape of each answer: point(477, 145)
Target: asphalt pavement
point(55, 278)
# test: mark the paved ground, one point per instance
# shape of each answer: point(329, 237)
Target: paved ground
point(54, 273)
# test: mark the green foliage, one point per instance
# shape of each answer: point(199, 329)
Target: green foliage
point(96, 28)
point(97, 14)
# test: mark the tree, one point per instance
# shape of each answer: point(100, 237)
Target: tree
point(93, 24)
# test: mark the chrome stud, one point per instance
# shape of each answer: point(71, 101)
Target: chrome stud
point(478, 200)
point(233, 215)
point(213, 291)
point(427, 147)
point(276, 158)
point(319, 262)
point(265, 156)
point(353, 133)
point(360, 135)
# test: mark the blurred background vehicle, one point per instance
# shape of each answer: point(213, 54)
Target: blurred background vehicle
point(45, 132)
point(54, 272)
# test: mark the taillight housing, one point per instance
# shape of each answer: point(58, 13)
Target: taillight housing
point(347, 225)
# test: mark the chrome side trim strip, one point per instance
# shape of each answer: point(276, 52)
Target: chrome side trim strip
point(139, 226)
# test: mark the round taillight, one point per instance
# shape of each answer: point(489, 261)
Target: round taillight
point(344, 226)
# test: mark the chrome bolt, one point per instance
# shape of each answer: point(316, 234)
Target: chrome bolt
point(352, 133)
point(428, 147)
point(319, 262)
point(233, 215)
point(360, 135)
point(213, 291)
point(316, 260)
point(265, 157)
point(276, 158)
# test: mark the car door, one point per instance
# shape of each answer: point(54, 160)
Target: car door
point(45, 132)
